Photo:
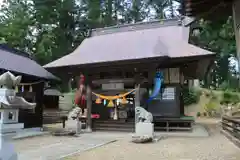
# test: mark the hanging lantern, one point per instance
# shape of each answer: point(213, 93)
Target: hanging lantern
point(118, 102)
point(16, 89)
point(30, 89)
point(98, 101)
point(110, 104)
point(115, 115)
point(124, 100)
point(104, 102)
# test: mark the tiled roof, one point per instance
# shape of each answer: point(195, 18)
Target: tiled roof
point(12, 61)
point(132, 42)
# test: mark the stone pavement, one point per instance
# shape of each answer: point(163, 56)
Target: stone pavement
point(189, 147)
point(199, 145)
point(50, 147)
point(215, 147)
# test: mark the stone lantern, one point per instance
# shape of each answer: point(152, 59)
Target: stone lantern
point(9, 109)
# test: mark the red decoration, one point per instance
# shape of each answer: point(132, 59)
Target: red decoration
point(80, 95)
point(95, 116)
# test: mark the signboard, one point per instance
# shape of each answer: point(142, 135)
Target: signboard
point(168, 93)
point(113, 86)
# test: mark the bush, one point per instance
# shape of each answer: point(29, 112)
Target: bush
point(204, 114)
point(210, 94)
point(212, 105)
point(198, 114)
point(230, 98)
point(190, 96)
point(224, 86)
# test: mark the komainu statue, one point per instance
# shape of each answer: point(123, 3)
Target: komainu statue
point(75, 113)
point(142, 115)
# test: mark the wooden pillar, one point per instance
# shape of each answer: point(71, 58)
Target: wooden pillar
point(69, 85)
point(236, 20)
point(89, 108)
point(137, 95)
point(137, 98)
point(137, 80)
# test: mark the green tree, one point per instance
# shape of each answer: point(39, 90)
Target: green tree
point(219, 38)
point(50, 29)
point(16, 23)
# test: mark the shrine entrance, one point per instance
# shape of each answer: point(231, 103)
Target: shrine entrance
point(130, 69)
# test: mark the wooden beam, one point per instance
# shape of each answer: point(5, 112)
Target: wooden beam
point(104, 81)
point(89, 102)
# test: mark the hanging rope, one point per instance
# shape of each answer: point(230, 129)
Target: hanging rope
point(110, 98)
point(101, 97)
point(28, 84)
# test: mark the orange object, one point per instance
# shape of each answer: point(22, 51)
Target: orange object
point(98, 101)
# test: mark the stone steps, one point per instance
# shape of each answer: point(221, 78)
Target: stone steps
point(114, 125)
point(129, 126)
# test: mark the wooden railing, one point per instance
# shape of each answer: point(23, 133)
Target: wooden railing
point(231, 126)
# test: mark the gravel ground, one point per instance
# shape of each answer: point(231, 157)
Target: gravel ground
point(215, 147)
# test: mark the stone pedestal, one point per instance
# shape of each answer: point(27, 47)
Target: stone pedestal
point(144, 129)
point(9, 109)
point(79, 126)
point(7, 131)
point(7, 152)
point(144, 132)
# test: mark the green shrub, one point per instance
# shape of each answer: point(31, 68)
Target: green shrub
point(212, 105)
point(224, 86)
point(198, 114)
point(204, 114)
point(190, 96)
point(210, 94)
point(230, 98)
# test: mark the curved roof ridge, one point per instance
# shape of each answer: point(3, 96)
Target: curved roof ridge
point(136, 26)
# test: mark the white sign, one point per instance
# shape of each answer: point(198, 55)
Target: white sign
point(168, 93)
point(112, 86)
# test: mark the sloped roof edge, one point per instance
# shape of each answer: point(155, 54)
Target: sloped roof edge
point(136, 26)
point(11, 61)
point(128, 42)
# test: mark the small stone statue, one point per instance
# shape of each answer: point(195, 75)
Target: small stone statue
point(143, 115)
point(75, 114)
point(144, 128)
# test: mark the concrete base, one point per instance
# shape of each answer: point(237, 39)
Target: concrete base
point(144, 129)
point(88, 130)
point(79, 127)
point(32, 132)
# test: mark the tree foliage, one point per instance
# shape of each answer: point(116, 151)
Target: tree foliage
point(49, 29)
point(219, 38)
